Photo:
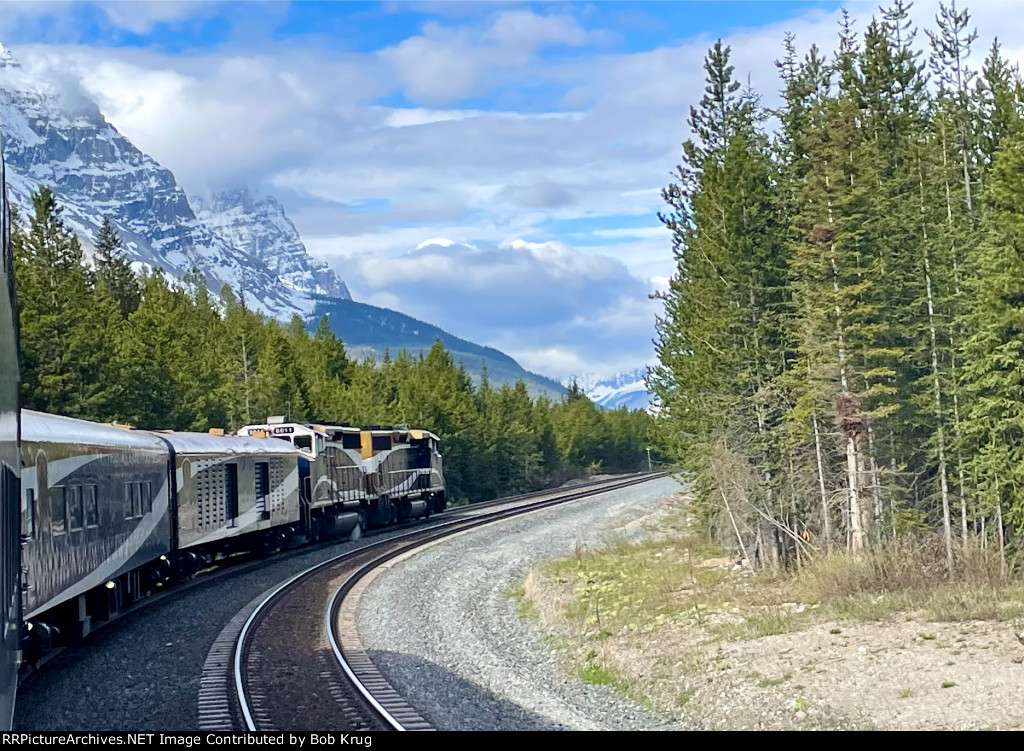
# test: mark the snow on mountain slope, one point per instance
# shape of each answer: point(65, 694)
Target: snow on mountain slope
point(259, 226)
point(57, 137)
point(622, 390)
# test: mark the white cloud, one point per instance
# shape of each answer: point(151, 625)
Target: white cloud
point(528, 299)
point(140, 17)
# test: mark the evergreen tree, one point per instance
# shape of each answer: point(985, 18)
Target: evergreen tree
point(114, 271)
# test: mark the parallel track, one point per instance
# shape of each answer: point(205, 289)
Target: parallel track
point(298, 662)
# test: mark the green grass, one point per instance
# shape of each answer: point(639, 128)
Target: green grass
point(595, 673)
point(524, 607)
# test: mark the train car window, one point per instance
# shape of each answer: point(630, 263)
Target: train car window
point(92, 506)
point(58, 511)
point(381, 443)
point(30, 512)
point(231, 490)
point(263, 488)
point(351, 441)
point(130, 502)
point(304, 442)
point(147, 497)
point(75, 515)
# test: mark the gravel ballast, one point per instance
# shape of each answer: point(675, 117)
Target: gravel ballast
point(143, 671)
point(444, 631)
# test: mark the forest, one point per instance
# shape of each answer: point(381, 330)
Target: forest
point(841, 348)
point(100, 342)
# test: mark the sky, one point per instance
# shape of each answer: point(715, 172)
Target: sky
point(494, 168)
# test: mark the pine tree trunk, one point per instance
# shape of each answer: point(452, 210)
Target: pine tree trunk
point(876, 494)
point(856, 524)
point(826, 523)
point(954, 344)
point(853, 473)
point(947, 527)
point(1002, 540)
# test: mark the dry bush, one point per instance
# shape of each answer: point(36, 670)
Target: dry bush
point(911, 574)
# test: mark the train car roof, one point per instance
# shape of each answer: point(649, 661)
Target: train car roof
point(415, 433)
point(40, 427)
point(204, 443)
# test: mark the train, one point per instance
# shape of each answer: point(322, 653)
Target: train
point(96, 517)
point(111, 514)
point(10, 471)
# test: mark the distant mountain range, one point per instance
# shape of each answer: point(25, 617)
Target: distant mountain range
point(622, 390)
point(60, 139)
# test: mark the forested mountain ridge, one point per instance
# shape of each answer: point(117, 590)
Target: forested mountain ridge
point(841, 346)
point(370, 331)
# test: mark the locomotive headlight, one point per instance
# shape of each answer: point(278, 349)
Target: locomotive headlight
point(163, 558)
point(110, 585)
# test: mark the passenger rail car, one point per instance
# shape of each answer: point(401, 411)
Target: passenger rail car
point(231, 493)
point(95, 509)
point(10, 533)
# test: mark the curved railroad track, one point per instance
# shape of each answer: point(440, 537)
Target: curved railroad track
point(293, 660)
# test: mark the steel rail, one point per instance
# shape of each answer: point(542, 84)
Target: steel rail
point(399, 545)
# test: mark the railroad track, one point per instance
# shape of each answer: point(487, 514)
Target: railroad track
point(292, 659)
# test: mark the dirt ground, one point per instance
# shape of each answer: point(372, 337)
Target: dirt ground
point(901, 673)
point(898, 675)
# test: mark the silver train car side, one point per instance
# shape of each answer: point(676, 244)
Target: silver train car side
point(227, 489)
point(95, 519)
point(10, 492)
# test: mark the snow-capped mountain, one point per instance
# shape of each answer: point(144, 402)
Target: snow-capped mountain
point(53, 135)
point(259, 226)
point(622, 390)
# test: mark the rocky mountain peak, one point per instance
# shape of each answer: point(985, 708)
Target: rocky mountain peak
point(258, 225)
point(56, 136)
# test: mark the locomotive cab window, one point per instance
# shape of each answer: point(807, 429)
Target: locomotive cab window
point(304, 443)
point(58, 511)
point(381, 443)
point(350, 441)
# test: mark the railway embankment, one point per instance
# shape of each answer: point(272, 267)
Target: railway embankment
point(444, 631)
point(886, 642)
